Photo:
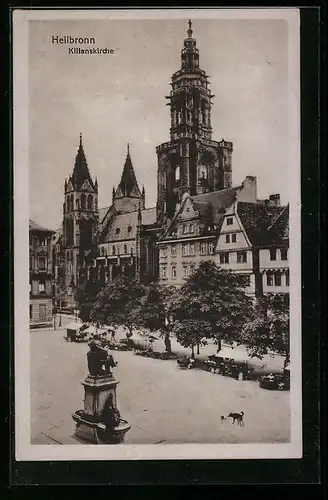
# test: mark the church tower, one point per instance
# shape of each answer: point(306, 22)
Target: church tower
point(128, 197)
point(80, 221)
point(191, 161)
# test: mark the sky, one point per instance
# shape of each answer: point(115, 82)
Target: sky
point(120, 98)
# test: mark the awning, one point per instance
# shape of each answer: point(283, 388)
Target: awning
point(73, 326)
point(237, 354)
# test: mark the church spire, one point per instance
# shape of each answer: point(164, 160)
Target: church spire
point(189, 32)
point(81, 171)
point(190, 53)
point(128, 186)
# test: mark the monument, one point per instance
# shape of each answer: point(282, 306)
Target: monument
point(100, 421)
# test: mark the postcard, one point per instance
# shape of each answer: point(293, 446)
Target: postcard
point(157, 260)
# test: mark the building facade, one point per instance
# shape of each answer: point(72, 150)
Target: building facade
point(199, 214)
point(40, 275)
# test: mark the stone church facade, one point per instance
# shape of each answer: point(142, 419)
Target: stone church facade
point(198, 216)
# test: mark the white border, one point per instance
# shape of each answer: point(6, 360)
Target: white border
point(24, 449)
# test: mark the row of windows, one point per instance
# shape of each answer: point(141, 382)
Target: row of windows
point(118, 230)
point(274, 279)
point(283, 253)
point(188, 271)
point(190, 249)
point(41, 241)
point(41, 263)
point(188, 229)
point(41, 287)
point(84, 202)
point(231, 238)
point(115, 251)
point(225, 257)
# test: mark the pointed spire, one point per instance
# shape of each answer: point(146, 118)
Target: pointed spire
point(189, 53)
point(143, 196)
point(128, 149)
point(81, 171)
point(128, 185)
point(113, 194)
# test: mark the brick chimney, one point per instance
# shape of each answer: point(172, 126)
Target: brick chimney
point(274, 200)
point(248, 191)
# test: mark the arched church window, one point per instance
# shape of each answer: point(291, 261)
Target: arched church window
point(83, 200)
point(203, 172)
point(177, 173)
point(113, 250)
point(68, 203)
point(72, 202)
point(125, 249)
point(90, 202)
point(77, 204)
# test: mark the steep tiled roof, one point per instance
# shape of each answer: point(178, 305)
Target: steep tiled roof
point(216, 202)
point(261, 222)
point(33, 226)
point(102, 212)
point(124, 226)
point(279, 229)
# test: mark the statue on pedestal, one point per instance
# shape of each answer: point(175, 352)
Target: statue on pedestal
point(100, 421)
point(100, 361)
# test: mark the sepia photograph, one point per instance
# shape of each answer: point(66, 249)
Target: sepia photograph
point(157, 234)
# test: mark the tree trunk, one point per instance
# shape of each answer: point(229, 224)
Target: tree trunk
point(129, 332)
point(167, 342)
point(197, 348)
point(193, 351)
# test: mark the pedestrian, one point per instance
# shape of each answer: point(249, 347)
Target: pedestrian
point(113, 338)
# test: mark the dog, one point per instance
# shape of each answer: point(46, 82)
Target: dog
point(223, 418)
point(237, 417)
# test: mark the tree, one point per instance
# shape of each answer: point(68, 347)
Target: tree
point(119, 304)
point(156, 310)
point(87, 297)
point(268, 329)
point(211, 304)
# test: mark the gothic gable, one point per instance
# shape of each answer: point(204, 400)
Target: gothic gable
point(70, 186)
point(86, 186)
point(187, 211)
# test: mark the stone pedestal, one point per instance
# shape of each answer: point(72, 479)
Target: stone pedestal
point(89, 425)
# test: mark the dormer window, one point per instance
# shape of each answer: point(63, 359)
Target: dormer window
point(229, 221)
point(129, 229)
point(117, 230)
